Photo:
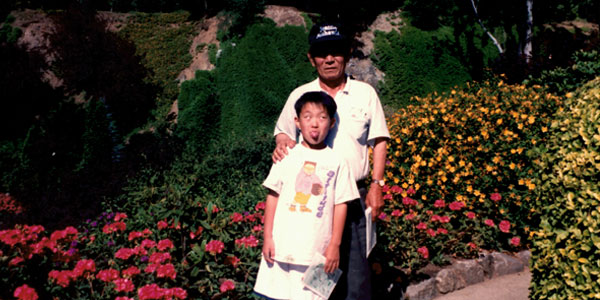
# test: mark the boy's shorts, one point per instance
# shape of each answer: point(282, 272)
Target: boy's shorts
point(282, 281)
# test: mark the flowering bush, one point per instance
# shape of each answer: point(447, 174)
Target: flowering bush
point(116, 257)
point(460, 175)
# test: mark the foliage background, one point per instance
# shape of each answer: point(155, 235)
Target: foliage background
point(104, 146)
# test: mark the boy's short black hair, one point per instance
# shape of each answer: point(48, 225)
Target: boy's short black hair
point(318, 98)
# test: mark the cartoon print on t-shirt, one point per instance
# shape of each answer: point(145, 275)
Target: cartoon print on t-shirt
point(307, 183)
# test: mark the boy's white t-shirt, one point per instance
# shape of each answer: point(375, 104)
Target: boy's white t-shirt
point(298, 233)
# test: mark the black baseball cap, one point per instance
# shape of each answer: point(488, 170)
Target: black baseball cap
point(328, 37)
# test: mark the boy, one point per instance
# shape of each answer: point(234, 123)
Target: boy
point(321, 182)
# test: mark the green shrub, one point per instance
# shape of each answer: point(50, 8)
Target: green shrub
point(255, 76)
point(460, 172)
point(163, 40)
point(565, 252)
point(416, 63)
point(199, 111)
point(586, 66)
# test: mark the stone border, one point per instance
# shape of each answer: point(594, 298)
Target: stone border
point(467, 272)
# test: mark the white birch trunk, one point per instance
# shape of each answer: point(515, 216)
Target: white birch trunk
point(528, 44)
point(500, 50)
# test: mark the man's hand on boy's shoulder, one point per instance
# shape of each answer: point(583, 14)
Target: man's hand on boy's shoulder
point(283, 142)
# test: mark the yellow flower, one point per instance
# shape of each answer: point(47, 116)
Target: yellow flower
point(451, 158)
point(424, 197)
point(429, 182)
point(396, 180)
point(470, 139)
point(405, 185)
point(531, 186)
point(520, 126)
point(411, 181)
point(496, 159)
point(521, 182)
point(476, 193)
point(444, 178)
point(512, 166)
point(531, 120)
point(544, 129)
point(469, 188)
point(499, 122)
point(461, 163)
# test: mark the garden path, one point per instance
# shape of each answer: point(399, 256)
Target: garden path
point(508, 287)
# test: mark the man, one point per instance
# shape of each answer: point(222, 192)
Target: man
point(360, 124)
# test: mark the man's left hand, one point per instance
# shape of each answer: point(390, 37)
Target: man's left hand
point(374, 200)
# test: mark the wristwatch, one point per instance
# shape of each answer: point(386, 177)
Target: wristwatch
point(379, 182)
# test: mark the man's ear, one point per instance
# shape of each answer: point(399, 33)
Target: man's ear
point(311, 59)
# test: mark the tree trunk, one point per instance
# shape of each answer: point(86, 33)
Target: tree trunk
point(500, 50)
point(528, 43)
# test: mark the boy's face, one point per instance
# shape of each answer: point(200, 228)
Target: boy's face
point(314, 124)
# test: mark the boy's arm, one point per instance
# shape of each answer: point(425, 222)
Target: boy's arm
point(268, 245)
point(332, 253)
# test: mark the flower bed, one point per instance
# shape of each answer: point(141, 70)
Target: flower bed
point(460, 172)
point(114, 257)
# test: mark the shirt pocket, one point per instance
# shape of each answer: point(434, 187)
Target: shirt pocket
point(357, 123)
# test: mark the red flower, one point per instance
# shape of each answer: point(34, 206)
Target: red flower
point(472, 245)
point(124, 253)
point(422, 226)
point(257, 228)
point(164, 245)
point(25, 292)
point(396, 213)
point(108, 275)
point(504, 226)
point(260, 206)
point(227, 285)
point(167, 270)
point(424, 252)
point(214, 247)
point(456, 205)
point(496, 197)
point(123, 298)
point(249, 241)
point(471, 215)
point(442, 231)
point(409, 216)
point(150, 291)
point(515, 241)
point(236, 217)
point(123, 285)
point(232, 260)
point(131, 271)
point(198, 232)
point(162, 225)
point(409, 201)
point(439, 203)
point(388, 197)
point(150, 268)
point(114, 227)
point(120, 216)
point(62, 278)
point(83, 266)
point(134, 235)
point(396, 189)
point(177, 292)
point(489, 222)
point(411, 191)
point(159, 257)
point(15, 261)
point(431, 232)
point(148, 244)
point(382, 216)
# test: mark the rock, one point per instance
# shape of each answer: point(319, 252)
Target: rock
point(524, 256)
point(504, 264)
point(470, 271)
point(422, 291)
point(364, 70)
point(448, 280)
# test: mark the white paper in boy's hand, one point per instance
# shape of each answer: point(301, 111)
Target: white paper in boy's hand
point(371, 230)
point(317, 280)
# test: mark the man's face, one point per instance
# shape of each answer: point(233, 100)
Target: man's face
point(329, 62)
